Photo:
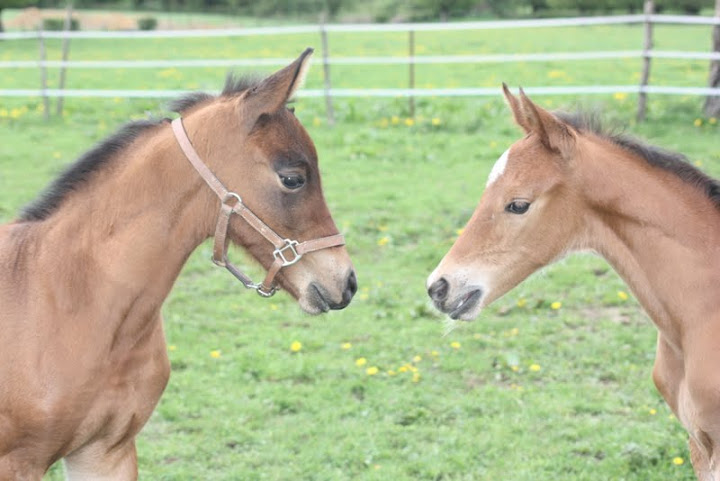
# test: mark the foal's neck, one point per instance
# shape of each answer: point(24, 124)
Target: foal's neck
point(122, 239)
point(659, 232)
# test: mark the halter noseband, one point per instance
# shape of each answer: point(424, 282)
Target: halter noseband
point(287, 252)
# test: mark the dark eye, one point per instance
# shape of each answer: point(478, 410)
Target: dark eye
point(517, 207)
point(292, 181)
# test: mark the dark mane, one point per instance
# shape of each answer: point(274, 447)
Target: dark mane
point(673, 162)
point(82, 170)
point(234, 85)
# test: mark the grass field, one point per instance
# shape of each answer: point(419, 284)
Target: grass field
point(551, 383)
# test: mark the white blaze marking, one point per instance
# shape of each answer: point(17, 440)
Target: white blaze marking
point(498, 168)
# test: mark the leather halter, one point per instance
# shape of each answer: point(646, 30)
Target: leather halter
point(287, 252)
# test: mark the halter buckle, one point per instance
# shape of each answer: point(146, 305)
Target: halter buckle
point(290, 245)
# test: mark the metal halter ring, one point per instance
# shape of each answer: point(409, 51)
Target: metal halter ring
point(279, 253)
point(260, 289)
point(232, 195)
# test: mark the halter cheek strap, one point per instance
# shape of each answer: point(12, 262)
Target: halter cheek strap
point(287, 252)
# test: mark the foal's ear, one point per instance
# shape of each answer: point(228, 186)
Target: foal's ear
point(517, 112)
point(271, 94)
point(554, 134)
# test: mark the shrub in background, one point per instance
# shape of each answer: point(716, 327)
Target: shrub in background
point(147, 23)
point(58, 24)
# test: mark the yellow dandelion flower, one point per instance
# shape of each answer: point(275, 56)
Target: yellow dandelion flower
point(172, 347)
point(412, 368)
point(556, 74)
point(460, 231)
point(416, 377)
point(434, 353)
point(295, 346)
point(409, 122)
point(455, 345)
point(622, 295)
point(493, 144)
point(15, 113)
point(317, 121)
point(364, 296)
point(56, 155)
point(522, 302)
point(712, 120)
point(436, 121)
point(394, 120)
point(117, 100)
point(402, 369)
point(515, 368)
point(345, 345)
point(274, 307)
point(417, 358)
point(535, 367)
point(677, 461)
point(698, 163)
point(215, 354)
point(620, 96)
point(360, 362)
point(391, 372)
point(371, 371)
point(514, 331)
point(652, 411)
point(698, 122)
point(556, 305)
point(383, 241)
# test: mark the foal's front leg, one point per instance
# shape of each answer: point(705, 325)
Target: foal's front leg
point(97, 462)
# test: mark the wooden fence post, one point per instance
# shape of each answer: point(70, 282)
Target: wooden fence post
point(647, 48)
point(411, 82)
point(43, 74)
point(712, 102)
point(65, 54)
point(326, 73)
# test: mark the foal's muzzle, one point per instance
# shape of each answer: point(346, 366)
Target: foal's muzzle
point(323, 300)
point(439, 292)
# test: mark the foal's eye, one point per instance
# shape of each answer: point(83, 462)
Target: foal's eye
point(517, 207)
point(292, 181)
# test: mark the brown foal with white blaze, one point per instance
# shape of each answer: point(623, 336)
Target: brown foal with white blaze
point(85, 269)
point(566, 186)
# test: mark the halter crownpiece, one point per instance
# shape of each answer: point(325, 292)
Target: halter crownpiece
point(287, 251)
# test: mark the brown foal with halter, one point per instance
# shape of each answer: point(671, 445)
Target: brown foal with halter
point(656, 219)
point(85, 270)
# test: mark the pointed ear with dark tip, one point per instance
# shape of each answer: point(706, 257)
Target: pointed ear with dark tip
point(554, 134)
point(271, 94)
point(517, 112)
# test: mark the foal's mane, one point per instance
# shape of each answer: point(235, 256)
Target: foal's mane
point(83, 169)
point(673, 162)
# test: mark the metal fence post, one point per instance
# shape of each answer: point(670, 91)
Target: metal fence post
point(712, 102)
point(43, 74)
point(65, 54)
point(326, 73)
point(411, 82)
point(647, 48)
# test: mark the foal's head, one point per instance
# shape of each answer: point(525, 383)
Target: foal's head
point(258, 149)
point(527, 216)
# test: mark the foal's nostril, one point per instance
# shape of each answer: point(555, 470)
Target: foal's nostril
point(438, 291)
point(351, 287)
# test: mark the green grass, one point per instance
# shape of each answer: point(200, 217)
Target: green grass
point(399, 193)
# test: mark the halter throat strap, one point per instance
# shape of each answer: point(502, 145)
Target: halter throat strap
point(287, 252)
